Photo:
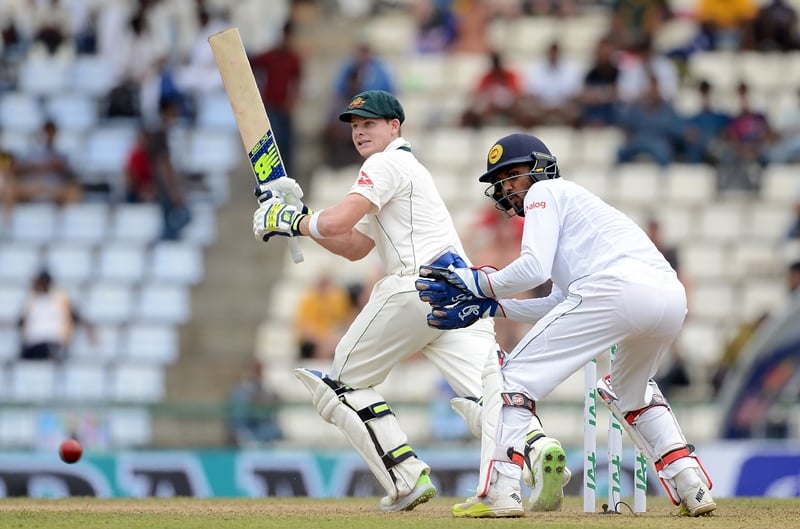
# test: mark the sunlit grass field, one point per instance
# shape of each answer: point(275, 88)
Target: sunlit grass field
point(363, 513)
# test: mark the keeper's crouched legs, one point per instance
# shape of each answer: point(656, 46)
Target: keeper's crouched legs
point(656, 432)
point(369, 424)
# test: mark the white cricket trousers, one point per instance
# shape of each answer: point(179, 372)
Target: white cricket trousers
point(632, 305)
point(392, 326)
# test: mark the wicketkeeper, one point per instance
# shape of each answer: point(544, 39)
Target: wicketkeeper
point(610, 286)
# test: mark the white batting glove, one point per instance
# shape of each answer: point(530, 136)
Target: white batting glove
point(274, 217)
point(282, 187)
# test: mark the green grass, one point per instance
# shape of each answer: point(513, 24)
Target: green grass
point(363, 513)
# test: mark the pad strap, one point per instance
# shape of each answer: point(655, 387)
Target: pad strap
point(518, 400)
point(374, 411)
point(631, 416)
point(397, 456)
point(672, 456)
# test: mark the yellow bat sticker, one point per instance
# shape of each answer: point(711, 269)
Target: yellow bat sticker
point(266, 160)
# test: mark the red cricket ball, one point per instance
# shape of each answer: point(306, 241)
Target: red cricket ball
point(70, 451)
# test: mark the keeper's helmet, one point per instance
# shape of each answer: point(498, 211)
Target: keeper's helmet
point(517, 149)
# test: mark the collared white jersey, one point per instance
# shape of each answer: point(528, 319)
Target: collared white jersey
point(570, 233)
point(412, 225)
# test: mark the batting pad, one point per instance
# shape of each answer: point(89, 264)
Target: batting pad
point(470, 410)
point(370, 427)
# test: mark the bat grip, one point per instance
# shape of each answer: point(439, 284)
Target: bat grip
point(294, 248)
point(294, 244)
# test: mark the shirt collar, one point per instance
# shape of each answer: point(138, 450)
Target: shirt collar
point(398, 144)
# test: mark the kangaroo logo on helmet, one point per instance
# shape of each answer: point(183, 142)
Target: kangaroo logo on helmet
point(495, 153)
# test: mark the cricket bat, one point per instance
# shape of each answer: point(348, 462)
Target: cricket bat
point(251, 116)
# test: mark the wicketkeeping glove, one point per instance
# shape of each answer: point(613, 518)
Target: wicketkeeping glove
point(463, 314)
point(442, 287)
point(274, 217)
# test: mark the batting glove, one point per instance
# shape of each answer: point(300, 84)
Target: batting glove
point(274, 217)
point(264, 193)
point(442, 287)
point(463, 314)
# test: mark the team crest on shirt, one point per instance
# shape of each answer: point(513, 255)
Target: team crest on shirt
point(495, 153)
point(358, 102)
point(364, 180)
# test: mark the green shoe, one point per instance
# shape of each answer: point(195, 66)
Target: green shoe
point(422, 492)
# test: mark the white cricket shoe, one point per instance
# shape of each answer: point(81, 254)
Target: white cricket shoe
point(546, 472)
point(696, 499)
point(496, 504)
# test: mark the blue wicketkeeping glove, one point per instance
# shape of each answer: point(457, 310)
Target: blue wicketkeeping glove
point(442, 287)
point(463, 314)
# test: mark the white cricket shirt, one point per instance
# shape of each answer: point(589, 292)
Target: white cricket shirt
point(570, 233)
point(412, 225)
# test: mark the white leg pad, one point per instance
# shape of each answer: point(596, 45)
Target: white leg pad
point(470, 410)
point(494, 399)
point(371, 427)
point(656, 432)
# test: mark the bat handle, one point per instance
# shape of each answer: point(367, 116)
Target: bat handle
point(294, 244)
point(294, 247)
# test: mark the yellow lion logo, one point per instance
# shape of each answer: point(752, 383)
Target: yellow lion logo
point(356, 103)
point(495, 153)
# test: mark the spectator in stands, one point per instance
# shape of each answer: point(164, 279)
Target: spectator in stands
point(633, 20)
point(637, 64)
point(554, 8)
point(47, 321)
point(139, 183)
point(747, 139)
point(7, 181)
point(727, 23)
point(252, 409)
point(138, 56)
point(198, 74)
point(169, 183)
point(45, 174)
point(473, 26)
point(437, 26)
point(599, 98)
point(86, 36)
point(496, 98)
point(362, 71)
point(552, 86)
point(279, 74)
point(775, 27)
point(704, 129)
point(52, 23)
point(652, 128)
point(786, 147)
point(324, 312)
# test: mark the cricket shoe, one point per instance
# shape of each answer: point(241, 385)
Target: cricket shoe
point(496, 504)
point(423, 491)
point(545, 471)
point(696, 499)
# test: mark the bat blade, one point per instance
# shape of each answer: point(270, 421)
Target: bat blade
point(251, 116)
